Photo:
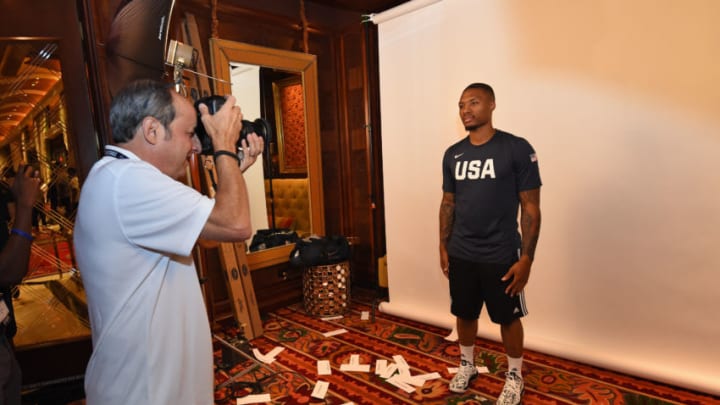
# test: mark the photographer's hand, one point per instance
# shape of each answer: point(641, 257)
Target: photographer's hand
point(229, 220)
point(251, 148)
point(224, 126)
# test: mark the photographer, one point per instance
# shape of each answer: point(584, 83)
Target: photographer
point(134, 233)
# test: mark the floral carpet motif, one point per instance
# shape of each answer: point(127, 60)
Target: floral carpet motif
point(290, 379)
point(50, 255)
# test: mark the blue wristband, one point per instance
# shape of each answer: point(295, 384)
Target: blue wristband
point(21, 233)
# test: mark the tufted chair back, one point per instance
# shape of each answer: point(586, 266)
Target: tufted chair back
point(292, 204)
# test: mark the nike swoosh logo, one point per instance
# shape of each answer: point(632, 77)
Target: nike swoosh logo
point(458, 155)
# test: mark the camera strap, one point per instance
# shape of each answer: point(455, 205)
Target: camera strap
point(115, 154)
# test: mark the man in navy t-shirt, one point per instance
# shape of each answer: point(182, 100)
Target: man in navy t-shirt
point(487, 176)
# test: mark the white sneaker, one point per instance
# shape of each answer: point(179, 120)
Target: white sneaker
point(466, 373)
point(512, 391)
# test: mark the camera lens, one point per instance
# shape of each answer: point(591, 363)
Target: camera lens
point(260, 126)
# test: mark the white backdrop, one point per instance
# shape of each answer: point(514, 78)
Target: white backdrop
point(246, 89)
point(621, 100)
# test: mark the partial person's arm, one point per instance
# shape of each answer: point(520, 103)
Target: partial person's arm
point(229, 220)
point(530, 229)
point(15, 256)
point(447, 215)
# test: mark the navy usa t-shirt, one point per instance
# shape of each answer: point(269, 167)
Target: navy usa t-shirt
point(486, 180)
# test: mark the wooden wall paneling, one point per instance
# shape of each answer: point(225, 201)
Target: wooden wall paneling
point(337, 39)
point(247, 24)
point(342, 141)
point(377, 188)
point(96, 74)
point(357, 158)
point(273, 12)
point(191, 36)
point(331, 129)
point(100, 15)
point(202, 24)
point(368, 217)
point(277, 286)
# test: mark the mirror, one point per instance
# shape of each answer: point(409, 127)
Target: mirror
point(34, 128)
point(280, 86)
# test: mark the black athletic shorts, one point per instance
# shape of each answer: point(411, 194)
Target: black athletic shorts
point(474, 284)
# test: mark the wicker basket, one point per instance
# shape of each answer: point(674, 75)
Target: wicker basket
point(326, 289)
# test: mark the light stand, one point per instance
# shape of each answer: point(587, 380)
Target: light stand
point(256, 363)
point(180, 57)
point(268, 158)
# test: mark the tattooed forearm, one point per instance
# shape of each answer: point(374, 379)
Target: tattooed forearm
point(447, 214)
point(530, 233)
point(530, 221)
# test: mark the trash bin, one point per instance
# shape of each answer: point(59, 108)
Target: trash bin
point(326, 289)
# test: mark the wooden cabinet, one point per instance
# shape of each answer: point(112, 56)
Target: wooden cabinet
point(275, 281)
point(277, 286)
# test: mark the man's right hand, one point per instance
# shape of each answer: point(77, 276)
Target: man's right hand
point(444, 261)
point(224, 126)
point(26, 186)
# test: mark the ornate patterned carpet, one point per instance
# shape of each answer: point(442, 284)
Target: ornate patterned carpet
point(290, 379)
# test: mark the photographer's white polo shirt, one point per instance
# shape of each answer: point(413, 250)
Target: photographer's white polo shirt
point(134, 234)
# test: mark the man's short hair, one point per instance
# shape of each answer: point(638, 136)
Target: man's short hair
point(482, 86)
point(136, 101)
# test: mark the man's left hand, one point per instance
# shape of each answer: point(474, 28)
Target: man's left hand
point(252, 147)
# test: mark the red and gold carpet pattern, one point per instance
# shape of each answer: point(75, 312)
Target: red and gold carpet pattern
point(548, 380)
point(50, 254)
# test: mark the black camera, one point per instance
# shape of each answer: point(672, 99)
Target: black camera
point(260, 126)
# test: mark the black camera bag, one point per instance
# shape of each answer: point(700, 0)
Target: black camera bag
point(320, 251)
point(268, 238)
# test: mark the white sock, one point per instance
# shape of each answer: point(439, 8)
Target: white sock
point(467, 353)
point(515, 364)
